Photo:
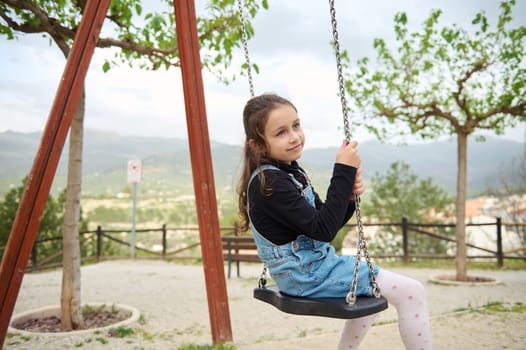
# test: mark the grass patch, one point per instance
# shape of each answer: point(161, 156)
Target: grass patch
point(10, 335)
point(81, 343)
point(92, 310)
point(494, 307)
point(114, 310)
point(102, 340)
point(265, 338)
point(16, 339)
point(381, 323)
point(142, 320)
point(207, 347)
point(145, 335)
point(195, 329)
point(120, 332)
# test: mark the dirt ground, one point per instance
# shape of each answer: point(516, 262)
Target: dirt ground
point(172, 302)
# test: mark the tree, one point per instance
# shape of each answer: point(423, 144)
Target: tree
point(147, 40)
point(444, 81)
point(50, 223)
point(399, 193)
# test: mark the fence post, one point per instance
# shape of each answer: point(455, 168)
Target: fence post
point(164, 242)
point(500, 254)
point(236, 233)
point(405, 240)
point(34, 253)
point(99, 242)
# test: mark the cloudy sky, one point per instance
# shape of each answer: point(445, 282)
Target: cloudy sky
point(291, 47)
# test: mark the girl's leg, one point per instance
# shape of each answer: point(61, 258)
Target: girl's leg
point(408, 297)
point(354, 331)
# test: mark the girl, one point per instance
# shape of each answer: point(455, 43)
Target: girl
point(292, 226)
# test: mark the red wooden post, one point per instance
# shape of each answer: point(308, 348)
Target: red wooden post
point(203, 177)
point(40, 178)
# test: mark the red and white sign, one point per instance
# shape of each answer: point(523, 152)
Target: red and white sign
point(134, 171)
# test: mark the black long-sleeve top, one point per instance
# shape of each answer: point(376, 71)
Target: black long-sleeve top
point(284, 214)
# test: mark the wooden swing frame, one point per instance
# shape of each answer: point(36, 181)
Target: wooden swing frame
point(25, 226)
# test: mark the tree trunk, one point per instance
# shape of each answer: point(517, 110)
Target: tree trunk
point(461, 261)
point(71, 307)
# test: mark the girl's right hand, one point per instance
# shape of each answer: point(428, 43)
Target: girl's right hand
point(348, 154)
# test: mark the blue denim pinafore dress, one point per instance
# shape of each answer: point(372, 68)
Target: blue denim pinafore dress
point(307, 267)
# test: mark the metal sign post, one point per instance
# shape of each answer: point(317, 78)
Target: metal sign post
point(134, 177)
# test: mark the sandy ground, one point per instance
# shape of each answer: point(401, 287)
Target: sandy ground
point(172, 302)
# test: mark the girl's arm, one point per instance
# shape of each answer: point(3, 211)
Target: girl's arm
point(286, 214)
point(350, 208)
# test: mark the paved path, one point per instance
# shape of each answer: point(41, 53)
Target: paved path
point(172, 301)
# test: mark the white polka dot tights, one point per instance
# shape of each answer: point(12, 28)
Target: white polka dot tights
point(408, 297)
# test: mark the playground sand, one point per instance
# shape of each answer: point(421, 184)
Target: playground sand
point(171, 299)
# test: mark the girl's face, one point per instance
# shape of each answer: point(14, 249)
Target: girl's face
point(284, 135)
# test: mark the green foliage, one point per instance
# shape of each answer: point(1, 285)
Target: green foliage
point(443, 81)
point(50, 223)
point(144, 33)
point(110, 214)
point(400, 193)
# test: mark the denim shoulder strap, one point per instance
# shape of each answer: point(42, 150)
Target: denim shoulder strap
point(260, 169)
point(254, 174)
point(306, 192)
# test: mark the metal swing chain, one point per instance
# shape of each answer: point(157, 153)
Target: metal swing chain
point(262, 282)
point(341, 83)
point(244, 37)
point(361, 245)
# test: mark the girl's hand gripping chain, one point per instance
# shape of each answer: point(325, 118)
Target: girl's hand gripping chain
point(348, 154)
point(358, 187)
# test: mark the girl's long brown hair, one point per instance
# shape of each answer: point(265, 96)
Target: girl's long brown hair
point(255, 115)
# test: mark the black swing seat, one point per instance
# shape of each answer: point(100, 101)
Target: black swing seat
point(326, 307)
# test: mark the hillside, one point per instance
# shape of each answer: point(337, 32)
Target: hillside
point(167, 168)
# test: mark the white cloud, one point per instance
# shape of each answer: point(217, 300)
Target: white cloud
point(291, 47)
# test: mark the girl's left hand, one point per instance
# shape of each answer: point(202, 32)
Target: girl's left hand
point(358, 187)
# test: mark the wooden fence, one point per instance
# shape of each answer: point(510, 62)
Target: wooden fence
point(92, 243)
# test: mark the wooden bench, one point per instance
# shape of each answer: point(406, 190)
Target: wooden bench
point(239, 249)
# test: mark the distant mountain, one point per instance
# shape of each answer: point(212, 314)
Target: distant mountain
point(487, 161)
point(103, 150)
point(167, 168)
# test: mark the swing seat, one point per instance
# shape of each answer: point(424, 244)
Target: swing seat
point(325, 307)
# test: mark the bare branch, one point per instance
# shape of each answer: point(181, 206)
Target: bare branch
point(461, 101)
point(431, 110)
point(153, 53)
point(516, 111)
